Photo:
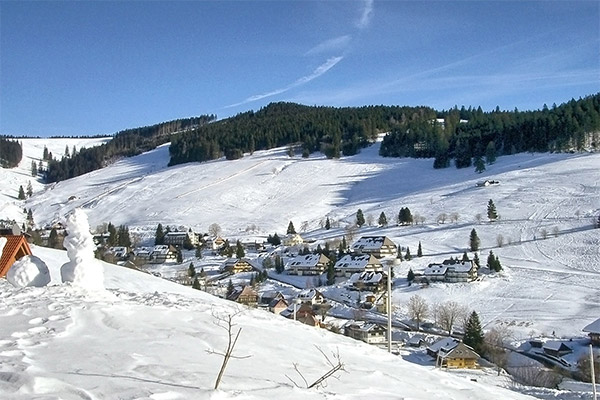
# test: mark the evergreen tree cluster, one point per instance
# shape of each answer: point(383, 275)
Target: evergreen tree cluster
point(488, 134)
point(493, 262)
point(118, 236)
point(333, 131)
point(126, 143)
point(405, 216)
point(11, 152)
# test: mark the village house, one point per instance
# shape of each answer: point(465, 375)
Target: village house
point(310, 296)
point(556, 348)
point(309, 264)
point(178, 238)
point(214, 243)
point(368, 332)
point(163, 253)
point(460, 356)
point(247, 295)
point(450, 271)
point(368, 281)
point(236, 265)
point(16, 246)
point(357, 263)
point(379, 246)
point(276, 306)
point(292, 240)
point(444, 345)
point(593, 331)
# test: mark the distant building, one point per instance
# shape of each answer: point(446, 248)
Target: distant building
point(163, 253)
point(461, 356)
point(236, 265)
point(593, 330)
point(368, 332)
point(379, 246)
point(247, 295)
point(357, 263)
point(310, 296)
point(177, 238)
point(309, 264)
point(371, 281)
point(451, 271)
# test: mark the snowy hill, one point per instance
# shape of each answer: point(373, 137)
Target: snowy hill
point(147, 338)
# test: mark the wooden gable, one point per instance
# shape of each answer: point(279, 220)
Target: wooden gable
point(15, 248)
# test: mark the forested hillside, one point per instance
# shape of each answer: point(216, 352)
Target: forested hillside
point(126, 143)
point(10, 152)
point(333, 131)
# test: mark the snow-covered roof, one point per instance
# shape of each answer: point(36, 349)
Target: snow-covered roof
point(307, 260)
point(364, 326)
point(435, 269)
point(594, 327)
point(366, 277)
point(308, 294)
point(353, 261)
point(445, 344)
point(161, 249)
point(556, 345)
point(371, 243)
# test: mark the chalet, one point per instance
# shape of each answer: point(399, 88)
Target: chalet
point(9, 228)
point(417, 340)
point(379, 246)
point(163, 253)
point(119, 252)
point(309, 264)
point(460, 356)
point(215, 243)
point(357, 263)
point(253, 245)
point(556, 348)
point(368, 332)
point(278, 305)
point(178, 238)
point(300, 311)
point(268, 296)
point(593, 330)
point(236, 265)
point(15, 247)
point(247, 296)
point(292, 240)
point(310, 296)
point(443, 345)
point(142, 254)
point(309, 319)
point(371, 281)
point(451, 271)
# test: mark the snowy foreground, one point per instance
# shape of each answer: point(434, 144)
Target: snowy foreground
point(147, 338)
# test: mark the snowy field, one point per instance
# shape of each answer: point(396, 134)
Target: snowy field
point(550, 254)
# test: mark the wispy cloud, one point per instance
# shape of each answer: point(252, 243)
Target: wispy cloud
point(334, 44)
point(365, 17)
point(320, 70)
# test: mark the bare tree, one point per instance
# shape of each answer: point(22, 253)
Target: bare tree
point(500, 240)
point(478, 218)
point(417, 309)
point(544, 233)
point(335, 366)
point(494, 346)
point(351, 231)
point(449, 313)
point(225, 321)
point(416, 218)
point(555, 231)
point(370, 219)
point(214, 230)
point(421, 219)
point(454, 217)
point(442, 218)
point(304, 226)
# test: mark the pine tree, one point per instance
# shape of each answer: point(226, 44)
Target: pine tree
point(159, 236)
point(490, 153)
point(34, 170)
point(410, 276)
point(112, 235)
point(21, 193)
point(476, 261)
point(382, 220)
point(493, 263)
point(29, 189)
point(330, 273)
point(327, 224)
point(45, 154)
point(479, 165)
point(465, 257)
point(179, 256)
point(67, 151)
point(497, 265)
point(198, 251)
point(187, 242)
point(408, 257)
point(191, 270)
point(239, 250)
point(474, 241)
point(399, 255)
point(279, 267)
point(291, 230)
point(491, 211)
point(53, 240)
point(196, 284)
point(230, 289)
point(419, 250)
point(360, 218)
point(473, 333)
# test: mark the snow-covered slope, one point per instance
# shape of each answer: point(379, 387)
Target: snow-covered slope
point(147, 338)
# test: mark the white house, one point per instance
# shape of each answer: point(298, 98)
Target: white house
point(451, 271)
point(163, 253)
point(368, 332)
point(357, 263)
point(310, 296)
point(309, 264)
point(379, 246)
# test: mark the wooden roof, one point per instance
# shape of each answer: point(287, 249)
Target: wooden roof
point(15, 248)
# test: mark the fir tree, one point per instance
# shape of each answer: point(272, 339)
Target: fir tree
point(159, 236)
point(410, 277)
point(465, 257)
point(474, 240)
point(21, 193)
point(187, 242)
point(112, 235)
point(45, 154)
point(490, 153)
point(29, 189)
point(279, 267)
point(34, 169)
point(196, 284)
point(399, 255)
point(382, 219)
point(491, 211)
point(360, 218)
point(497, 265)
point(330, 273)
point(198, 251)
point(476, 261)
point(53, 240)
point(493, 262)
point(327, 224)
point(473, 333)
point(419, 250)
point(239, 250)
point(191, 270)
point(479, 165)
point(291, 230)
point(230, 289)
point(407, 256)
point(179, 256)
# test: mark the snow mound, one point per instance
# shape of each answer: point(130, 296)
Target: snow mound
point(28, 271)
point(83, 269)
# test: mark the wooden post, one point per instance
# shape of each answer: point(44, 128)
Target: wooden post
point(389, 307)
point(592, 372)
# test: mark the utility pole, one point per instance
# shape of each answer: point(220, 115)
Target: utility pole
point(389, 307)
point(592, 372)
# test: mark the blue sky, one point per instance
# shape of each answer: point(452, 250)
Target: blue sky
point(85, 68)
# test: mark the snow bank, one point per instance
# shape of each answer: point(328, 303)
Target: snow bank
point(2, 244)
point(28, 271)
point(83, 269)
